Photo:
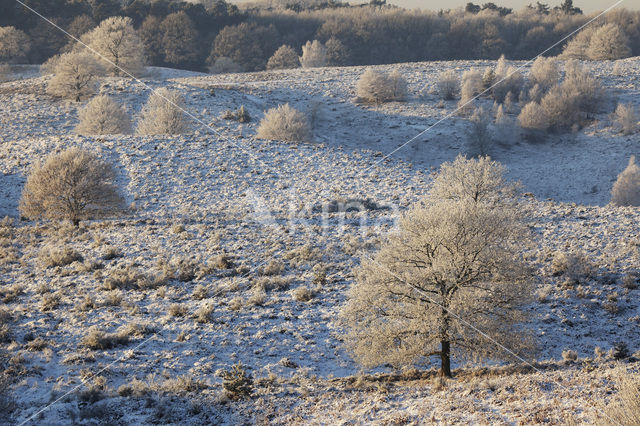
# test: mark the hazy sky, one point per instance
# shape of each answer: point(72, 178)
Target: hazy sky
point(587, 6)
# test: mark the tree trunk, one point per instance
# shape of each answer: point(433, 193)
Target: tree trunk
point(445, 359)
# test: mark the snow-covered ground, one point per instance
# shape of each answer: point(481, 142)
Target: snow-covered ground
point(218, 192)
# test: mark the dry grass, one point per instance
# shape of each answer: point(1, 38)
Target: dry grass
point(52, 255)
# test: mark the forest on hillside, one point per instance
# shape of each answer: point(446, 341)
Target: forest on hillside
point(194, 35)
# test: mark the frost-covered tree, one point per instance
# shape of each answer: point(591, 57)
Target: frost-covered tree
point(248, 45)
point(448, 85)
point(627, 118)
point(377, 86)
point(314, 55)
point(283, 58)
point(285, 123)
point(472, 84)
point(74, 185)
point(544, 73)
point(150, 33)
point(507, 80)
point(117, 41)
point(163, 114)
point(337, 53)
point(577, 47)
point(224, 65)
point(103, 116)
point(609, 42)
point(479, 138)
point(455, 266)
point(75, 75)
point(626, 189)
point(79, 26)
point(179, 39)
point(14, 45)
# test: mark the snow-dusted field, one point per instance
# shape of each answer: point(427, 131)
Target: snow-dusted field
point(232, 229)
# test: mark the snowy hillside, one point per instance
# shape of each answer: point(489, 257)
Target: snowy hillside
point(221, 257)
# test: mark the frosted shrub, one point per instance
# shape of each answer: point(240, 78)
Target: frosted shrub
point(608, 42)
point(117, 41)
point(471, 87)
point(626, 190)
point(569, 355)
point(284, 58)
point(74, 185)
point(584, 86)
point(224, 65)
point(163, 114)
point(479, 137)
point(574, 265)
point(507, 80)
point(103, 116)
point(75, 76)
point(448, 85)
point(314, 55)
point(544, 73)
point(58, 255)
point(561, 109)
point(625, 409)
point(533, 117)
point(627, 118)
point(286, 124)
point(377, 86)
point(505, 126)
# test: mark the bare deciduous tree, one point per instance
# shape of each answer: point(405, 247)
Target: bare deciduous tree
point(116, 40)
point(103, 116)
point(74, 185)
point(456, 260)
point(284, 123)
point(14, 44)
point(626, 190)
point(283, 58)
point(75, 75)
point(179, 39)
point(163, 114)
point(314, 55)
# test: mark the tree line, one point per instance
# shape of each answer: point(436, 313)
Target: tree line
point(194, 35)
